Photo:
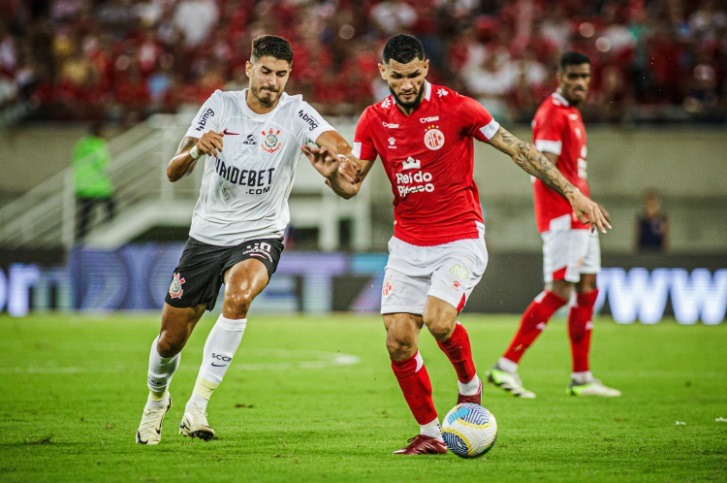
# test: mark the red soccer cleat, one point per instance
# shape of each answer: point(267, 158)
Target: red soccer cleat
point(422, 444)
point(475, 398)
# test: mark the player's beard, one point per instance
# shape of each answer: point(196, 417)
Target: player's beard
point(412, 104)
point(269, 101)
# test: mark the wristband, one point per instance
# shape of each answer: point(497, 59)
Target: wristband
point(194, 152)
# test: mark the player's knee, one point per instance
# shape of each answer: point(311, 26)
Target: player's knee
point(400, 349)
point(168, 346)
point(238, 301)
point(441, 329)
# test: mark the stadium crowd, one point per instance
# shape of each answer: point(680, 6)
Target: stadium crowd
point(652, 60)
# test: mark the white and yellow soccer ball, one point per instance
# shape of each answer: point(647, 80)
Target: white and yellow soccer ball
point(469, 430)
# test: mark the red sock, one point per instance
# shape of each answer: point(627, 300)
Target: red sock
point(459, 352)
point(532, 323)
point(580, 328)
point(416, 386)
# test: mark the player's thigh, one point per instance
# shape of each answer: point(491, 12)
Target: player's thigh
point(458, 268)
point(564, 252)
point(244, 281)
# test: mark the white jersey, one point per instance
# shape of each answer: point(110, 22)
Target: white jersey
point(245, 189)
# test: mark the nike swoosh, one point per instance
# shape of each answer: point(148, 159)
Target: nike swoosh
point(218, 365)
point(228, 133)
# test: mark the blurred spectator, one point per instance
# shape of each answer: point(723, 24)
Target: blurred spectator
point(93, 187)
point(652, 224)
point(652, 61)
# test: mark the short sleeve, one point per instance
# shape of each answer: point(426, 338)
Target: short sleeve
point(478, 122)
point(363, 143)
point(309, 122)
point(208, 117)
point(548, 132)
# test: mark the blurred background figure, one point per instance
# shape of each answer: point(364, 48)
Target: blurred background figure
point(92, 184)
point(652, 224)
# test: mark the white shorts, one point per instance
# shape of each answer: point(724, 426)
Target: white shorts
point(568, 253)
point(448, 272)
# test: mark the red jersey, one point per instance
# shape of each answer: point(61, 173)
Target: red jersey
point(558, 128)
point(429, 159)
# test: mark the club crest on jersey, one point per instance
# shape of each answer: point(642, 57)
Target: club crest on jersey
point(175, 288)
point(387, 288)
point(271, 143)
point(433, 138)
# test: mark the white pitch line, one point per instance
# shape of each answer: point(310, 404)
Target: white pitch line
point(308, 360)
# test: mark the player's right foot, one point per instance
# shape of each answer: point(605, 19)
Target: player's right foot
point(194, 423)
point(474, 398)
point(150, 428)
point(593, 388)
point(508, 382)
point(422, 444)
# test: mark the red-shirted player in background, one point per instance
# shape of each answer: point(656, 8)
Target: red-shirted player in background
point(424, 135)
point(571, 251)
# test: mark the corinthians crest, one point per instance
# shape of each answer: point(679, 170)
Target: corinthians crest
point(175, 288)
point(271, 143)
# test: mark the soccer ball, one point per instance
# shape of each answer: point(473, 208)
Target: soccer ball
point(469, 430)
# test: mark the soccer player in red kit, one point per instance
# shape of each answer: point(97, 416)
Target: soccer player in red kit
point(424, 135)
point(571, 250)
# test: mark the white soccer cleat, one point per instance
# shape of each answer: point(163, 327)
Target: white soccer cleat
point(592, 388)
point(150, 428)
point(194, 423)
point(509, 382)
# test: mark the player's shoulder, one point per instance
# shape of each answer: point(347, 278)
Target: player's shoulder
point(553, 107)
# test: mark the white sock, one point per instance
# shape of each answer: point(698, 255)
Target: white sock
point(469, 388)
point(581, 377)
point(507, 365)
point(219, 349)
point(431, 429)
point(159, 376)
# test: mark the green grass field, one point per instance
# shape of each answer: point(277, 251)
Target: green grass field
point(73, 388)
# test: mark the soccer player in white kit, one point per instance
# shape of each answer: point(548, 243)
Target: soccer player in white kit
point(249, 142)
point(424, 135)
point(571, 251)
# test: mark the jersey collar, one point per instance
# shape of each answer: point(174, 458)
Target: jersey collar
point(557, 95)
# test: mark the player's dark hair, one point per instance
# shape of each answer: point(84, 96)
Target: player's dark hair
point(403, 48)
point(573, 58)
point(273, 46)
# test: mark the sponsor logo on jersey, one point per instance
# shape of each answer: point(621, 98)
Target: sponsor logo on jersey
point(390, 125)
point(387, 288)
point(251, 140)
point(433, 138)
point(312, 121)
point(175, 288)
point(271, 143)
point(203, 120)
point(413, 182)
point(392, 142)
point(258, 180)
point(425, 120)
point(411, 163)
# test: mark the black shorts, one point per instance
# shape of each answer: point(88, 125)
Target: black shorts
point(199, 275)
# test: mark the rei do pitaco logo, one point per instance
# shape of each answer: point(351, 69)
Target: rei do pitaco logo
point(412, 179)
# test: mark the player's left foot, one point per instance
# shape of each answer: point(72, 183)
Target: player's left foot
point(150, 428)
point(592, 388)
point(423, 444)
point(509, 382)
point(474, 398)
point(194, 423)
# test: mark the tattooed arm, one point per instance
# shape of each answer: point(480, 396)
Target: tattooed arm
point(189, 150)
point(535, 163)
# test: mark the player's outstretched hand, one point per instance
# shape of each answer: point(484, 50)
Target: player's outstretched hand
point(210, 143)
point(328, 164)
point(588, 211)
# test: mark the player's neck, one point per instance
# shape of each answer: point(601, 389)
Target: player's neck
point(256, 106)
